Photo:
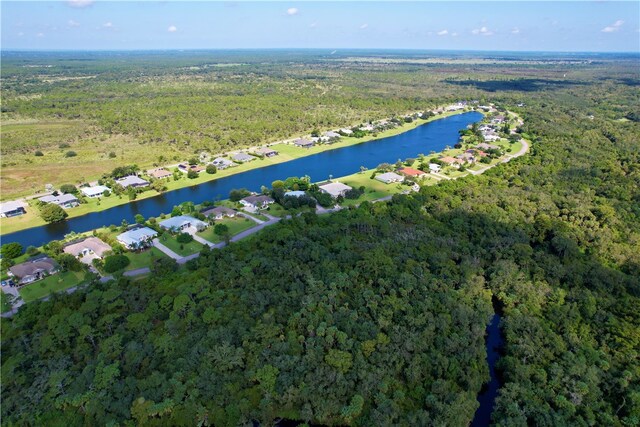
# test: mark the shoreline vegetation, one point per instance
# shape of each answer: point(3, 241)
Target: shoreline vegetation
point(287, 152)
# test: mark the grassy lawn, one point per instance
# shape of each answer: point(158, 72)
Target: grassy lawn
point(143, 259)
point(374, 188)
point(236, 225)
point(274, 210)
point(5, 305)
point(55, 283)
point(182, 249)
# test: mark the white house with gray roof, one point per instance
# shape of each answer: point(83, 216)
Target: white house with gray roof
point(138, 238)
point(182, 222)
point(132, 181)
point(13, 208)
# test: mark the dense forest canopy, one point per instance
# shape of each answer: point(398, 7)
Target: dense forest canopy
point(376, 315)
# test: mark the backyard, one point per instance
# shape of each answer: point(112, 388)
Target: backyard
point(143, 259)
point(236, 225)
point(182, 249)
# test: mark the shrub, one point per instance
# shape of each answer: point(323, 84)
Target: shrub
point(112, 155)
point(211, 169)
point(39, 153)
point(184, 238)
point(11, 250)
point(192, 174)
point(70, 154)
point(64, 145)
point(32, 250)
point(114, 263)
point(68, 189)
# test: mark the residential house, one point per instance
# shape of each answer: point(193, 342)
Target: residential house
point(222, 163)
point(63, 200)
point(466, 157)
point(304, 143)
point(242, 157)
point(433, 167)
point(88, 249)
point(389, 177)
point(367, 128)
point(411, 172)
point(334, 189)
point(346, 131)
point(451, 161)
point(93, 192)
point(257, 202)
point(266, 152)
point(485, 146)
point(159, 173)
point(331, 135)
point(33, 270)
point(219, 212)
point(186, 168)
point(182, 222)
point(137, 238)
point(132, 181)
point(14, 208)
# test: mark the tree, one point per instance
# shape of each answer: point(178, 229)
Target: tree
point(192, 174)
point(211, 169)
point(68, 189)
point(11, 250)
point(236, 195)
point(222, 230)
point(139, 219)
point(69, 262)
point(184, 238)
point(52, 213)
point(114, 263)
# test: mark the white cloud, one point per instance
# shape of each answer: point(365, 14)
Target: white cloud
point(20, 34)
point(292, 11)
point(363, 26)
point(79, 3)
point(484, 31)
point(443, 33)
point(73, 23)
point(172, 29)
point(313, 25)
point(454, 34)
point(107, 25)
point(515, 30)
point(40, 35)
point(613, 28)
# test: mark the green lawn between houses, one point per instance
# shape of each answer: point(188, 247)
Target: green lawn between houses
point(182, 249)
point(54, 283)
point(143, 259)
point(236, 225)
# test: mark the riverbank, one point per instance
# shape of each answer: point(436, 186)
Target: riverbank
point(286, 152)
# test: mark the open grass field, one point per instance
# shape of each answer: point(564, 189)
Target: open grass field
point(143, 259)
point(182, 249)
point(54, 283)
point(236, 225)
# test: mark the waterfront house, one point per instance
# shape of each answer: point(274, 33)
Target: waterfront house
point(33, 270)
point(485, 146)
point(242, 157)
point(433, 167)
point(63, 200)
point(219, 212)
point(222, 163)
point(186, 168)
point(389, 177)
point(331, 134)
point(304, 143)
point(411, 172)
point(137, 238)
point(345, 131)
point(266, 152)
point(334, 189)
point(160, 173)
point(14, 208)
point(132, 181)
point(257, 202)
point(93, 192)
point(451, 161)
point(88, 249)
point(182, 222)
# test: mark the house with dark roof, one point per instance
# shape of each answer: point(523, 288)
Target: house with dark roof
point(242, 157)
point(257, 202)
point(304, 143)
point(132, 181)
point(33, 270)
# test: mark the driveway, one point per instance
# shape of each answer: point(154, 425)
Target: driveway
point(166, 250)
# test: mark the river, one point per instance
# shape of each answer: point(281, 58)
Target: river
point(432, 136)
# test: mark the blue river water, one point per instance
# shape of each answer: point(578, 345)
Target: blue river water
point(433, 136)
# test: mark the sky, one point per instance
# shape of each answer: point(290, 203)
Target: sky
point(594, 26)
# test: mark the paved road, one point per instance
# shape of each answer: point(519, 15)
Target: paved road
point(137, 272)
point(203, 241)
point(252, 218)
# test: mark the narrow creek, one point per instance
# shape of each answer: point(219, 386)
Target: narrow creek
point(494, 342)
